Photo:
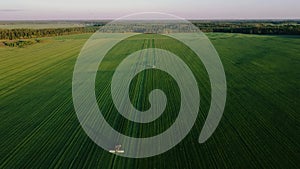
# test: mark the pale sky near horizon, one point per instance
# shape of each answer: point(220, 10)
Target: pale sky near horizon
point(110, 9)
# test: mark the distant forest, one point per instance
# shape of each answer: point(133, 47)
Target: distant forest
point(245, 27)
point(251, 27)
point(12, 34)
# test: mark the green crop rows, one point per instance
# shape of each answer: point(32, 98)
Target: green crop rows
point(259, 129)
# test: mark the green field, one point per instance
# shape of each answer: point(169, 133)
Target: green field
point(259, 129)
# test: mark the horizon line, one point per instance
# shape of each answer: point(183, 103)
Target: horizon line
point(191, 19)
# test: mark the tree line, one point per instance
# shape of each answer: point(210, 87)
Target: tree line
point(272, 28)
point(12, 34)
point(21, 43)
point(269, 28)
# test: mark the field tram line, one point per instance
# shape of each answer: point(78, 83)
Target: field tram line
point(31, 135)
point(38, 65)
point(27, 80)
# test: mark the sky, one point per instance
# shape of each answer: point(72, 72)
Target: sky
point(111, 9)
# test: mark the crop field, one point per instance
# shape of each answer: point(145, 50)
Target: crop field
point(259, 128)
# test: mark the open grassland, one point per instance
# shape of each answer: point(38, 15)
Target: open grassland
point(259, 129)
